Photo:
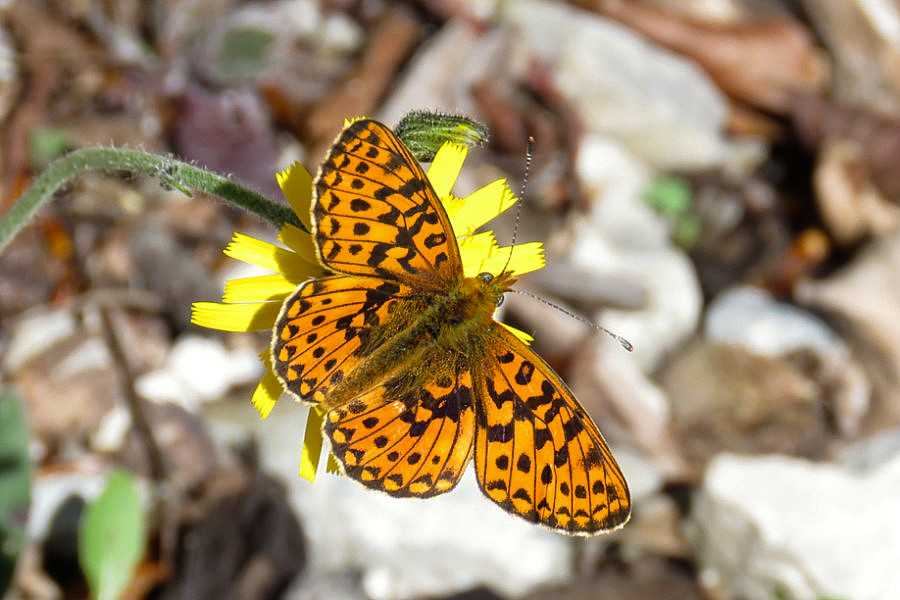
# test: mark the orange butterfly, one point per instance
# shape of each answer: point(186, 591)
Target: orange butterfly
point(403, 352)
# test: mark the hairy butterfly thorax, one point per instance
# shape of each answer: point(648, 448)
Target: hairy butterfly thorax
point(472, 302)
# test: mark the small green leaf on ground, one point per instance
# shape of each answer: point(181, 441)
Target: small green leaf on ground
point(669, 196)
point(112, 537)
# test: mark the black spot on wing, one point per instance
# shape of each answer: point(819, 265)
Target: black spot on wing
point(524, 463)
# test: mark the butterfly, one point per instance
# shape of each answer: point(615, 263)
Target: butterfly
point(401, 350)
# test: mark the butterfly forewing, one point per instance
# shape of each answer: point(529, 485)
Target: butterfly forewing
point(375, 213)
point(324, 330)
point(537, 453)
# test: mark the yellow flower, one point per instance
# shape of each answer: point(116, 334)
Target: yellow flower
point(253, 303)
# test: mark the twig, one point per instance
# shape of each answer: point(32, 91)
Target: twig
point(135, 403)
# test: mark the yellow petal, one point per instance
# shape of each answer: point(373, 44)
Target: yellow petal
point(276, 286)
point(445, 167)
point(266, 393)
point(475, 250)
point(481, 254)
point(527, 339)
point(235, 317)
point(312, 445)
point(452, 206)
point(268, 256)
point(479, 207)
point(300, 242)
point(526, 258)
point(296, 183)
point(333, 465)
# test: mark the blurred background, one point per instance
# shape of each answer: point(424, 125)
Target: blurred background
point(715, 180)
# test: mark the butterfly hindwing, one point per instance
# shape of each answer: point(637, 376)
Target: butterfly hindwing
point(324, 330)
point(537, 453)
point(375, 212)
point(407, 441)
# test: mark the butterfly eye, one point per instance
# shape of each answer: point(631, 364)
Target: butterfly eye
point(486, 277)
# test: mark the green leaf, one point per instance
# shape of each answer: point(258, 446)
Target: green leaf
point(425, 132)
point(669, 196)
point(15, 484)
point(112, 537)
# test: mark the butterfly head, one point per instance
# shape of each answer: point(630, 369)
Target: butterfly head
point(493, 287)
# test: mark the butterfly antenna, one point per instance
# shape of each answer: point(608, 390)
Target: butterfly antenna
point(529, 154)
point(622, 341)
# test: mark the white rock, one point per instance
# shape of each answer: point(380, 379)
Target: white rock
point(92, 353)
point(302, 16)
point(659, 104)
point(624, 239)
point(673, 295)
point(750, 317)
point(35, 333)
point(614, 181)
point(761, 524)
point(198, 370)
point(339, 33)
point(674, 304)
point(112, 430)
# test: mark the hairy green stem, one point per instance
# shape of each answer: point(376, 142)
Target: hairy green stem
point(172, 173)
